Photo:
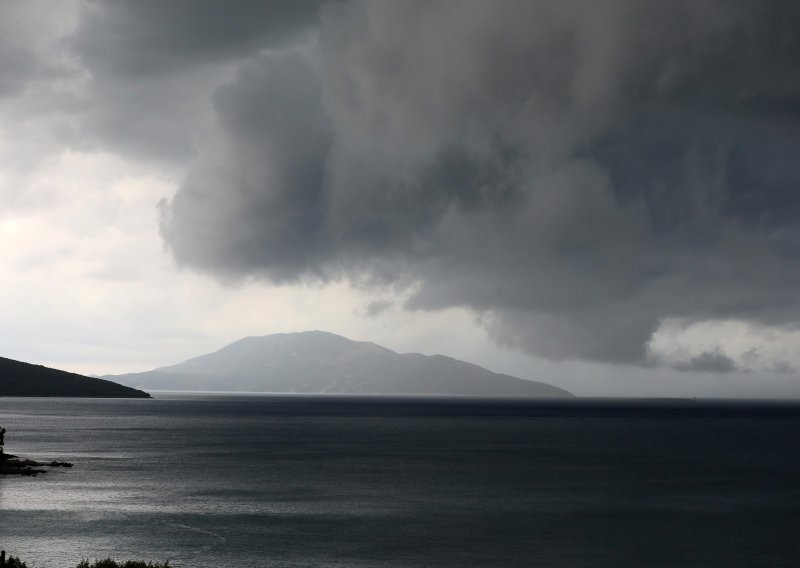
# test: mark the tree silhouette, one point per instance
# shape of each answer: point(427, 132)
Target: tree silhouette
point(2, 434)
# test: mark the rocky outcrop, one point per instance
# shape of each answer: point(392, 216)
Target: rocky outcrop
point(12, 465)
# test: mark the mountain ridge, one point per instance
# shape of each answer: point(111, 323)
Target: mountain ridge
point(321, 362)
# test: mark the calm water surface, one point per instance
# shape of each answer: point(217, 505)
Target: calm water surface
point(311, 481)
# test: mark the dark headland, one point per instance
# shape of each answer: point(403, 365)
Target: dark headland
point(23, 379)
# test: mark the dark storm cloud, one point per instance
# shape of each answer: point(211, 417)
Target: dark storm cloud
point(152, 64)
point(140, 38)
point(257, 194)
point(17, 67)
point(574, 172)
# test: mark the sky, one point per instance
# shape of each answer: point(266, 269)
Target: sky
point(604, 196)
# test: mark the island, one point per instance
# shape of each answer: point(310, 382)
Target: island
point(319, 362)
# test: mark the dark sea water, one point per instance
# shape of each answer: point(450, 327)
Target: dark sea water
point(312, 481)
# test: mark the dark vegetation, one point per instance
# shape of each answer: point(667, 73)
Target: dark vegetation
point(24, 379)
point(12, 562)
point(111, 563)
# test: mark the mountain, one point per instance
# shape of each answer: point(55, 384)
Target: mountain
point(24, 379)
point(320, 362)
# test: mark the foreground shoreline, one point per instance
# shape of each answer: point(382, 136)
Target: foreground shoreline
point(13, 562)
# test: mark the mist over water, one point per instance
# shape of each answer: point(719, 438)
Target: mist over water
point(349, 481)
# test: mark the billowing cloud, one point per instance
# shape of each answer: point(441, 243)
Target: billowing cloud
point(141, 38)
point(257, 193)
point(149, 66)
point(574, 173)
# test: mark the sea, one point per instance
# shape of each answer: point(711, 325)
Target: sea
point(251, 481)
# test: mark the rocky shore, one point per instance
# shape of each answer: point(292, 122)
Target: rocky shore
point(13, 465)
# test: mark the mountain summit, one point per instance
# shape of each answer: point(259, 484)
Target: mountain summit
point(321, 362)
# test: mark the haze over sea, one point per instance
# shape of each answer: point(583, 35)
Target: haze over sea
point(246, 481)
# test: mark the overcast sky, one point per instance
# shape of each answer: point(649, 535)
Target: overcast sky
point(602, 195)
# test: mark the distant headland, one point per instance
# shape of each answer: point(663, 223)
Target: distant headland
point(23, 379)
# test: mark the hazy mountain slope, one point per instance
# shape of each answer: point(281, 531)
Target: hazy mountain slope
point(23, 379)
point(320, 362)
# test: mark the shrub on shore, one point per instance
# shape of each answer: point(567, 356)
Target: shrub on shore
point(13, 562)
point(111, 563)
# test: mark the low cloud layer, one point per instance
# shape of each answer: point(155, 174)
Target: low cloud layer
point(574, 173)
point(709, 362)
